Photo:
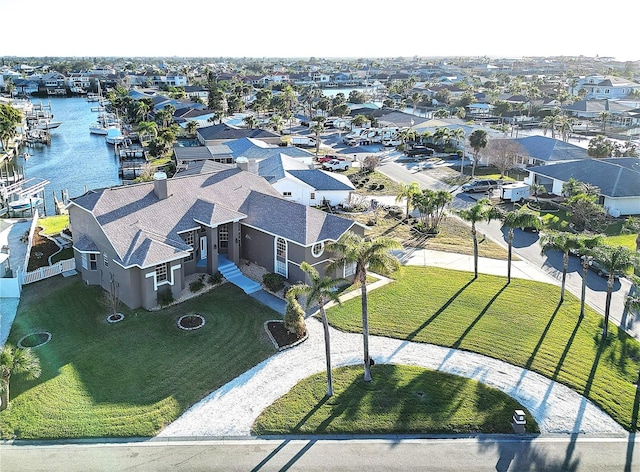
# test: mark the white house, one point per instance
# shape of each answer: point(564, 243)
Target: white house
point(617, 178)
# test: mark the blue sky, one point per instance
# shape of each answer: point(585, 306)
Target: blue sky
point(328, 28)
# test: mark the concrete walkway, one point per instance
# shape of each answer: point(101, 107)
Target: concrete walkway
point(233, 408)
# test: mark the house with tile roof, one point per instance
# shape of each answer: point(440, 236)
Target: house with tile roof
point(617, 178)
point(148, 237)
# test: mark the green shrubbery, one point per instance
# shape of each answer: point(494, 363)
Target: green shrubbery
point(273, 282)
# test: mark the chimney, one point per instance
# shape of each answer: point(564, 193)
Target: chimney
point(160, 185)
point(242, 163)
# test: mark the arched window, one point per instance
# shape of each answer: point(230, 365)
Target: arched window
point(317, 249)
point(281, 257)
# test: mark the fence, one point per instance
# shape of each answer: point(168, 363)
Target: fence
point(49, 271)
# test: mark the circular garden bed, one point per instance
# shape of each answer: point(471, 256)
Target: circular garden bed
point(35, 339)
point(115, 317)
point(191, 321)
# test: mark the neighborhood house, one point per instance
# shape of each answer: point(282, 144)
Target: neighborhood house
point(148, 237)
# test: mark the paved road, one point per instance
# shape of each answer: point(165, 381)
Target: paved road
point(526, 246)
point(478, 454)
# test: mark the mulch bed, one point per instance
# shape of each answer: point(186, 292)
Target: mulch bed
point(281, 336)
point(41, 249)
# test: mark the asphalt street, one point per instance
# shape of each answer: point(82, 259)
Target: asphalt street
point(477, 453)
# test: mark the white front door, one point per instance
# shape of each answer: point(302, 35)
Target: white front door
point(203, 247)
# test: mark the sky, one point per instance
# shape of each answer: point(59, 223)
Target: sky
point(325, 28)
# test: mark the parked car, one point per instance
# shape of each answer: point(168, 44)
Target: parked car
point(480, 185)
point(335, 164)
point(328, 157)
point(601, 270)
point(419, 150)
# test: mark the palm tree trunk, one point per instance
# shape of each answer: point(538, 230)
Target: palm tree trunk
point(4, 403)
point(585, 269)
point(509, 255)
point(475, 251)
point(607, 307)
point(365, 328)
point(327, 350)
point(565, 266)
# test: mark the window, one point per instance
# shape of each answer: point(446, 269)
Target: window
point(93, 261)
point(312, 196)
point(188, 239)
point(84, 260)
point(105, 259)
point(161, 273)
point(281, 257)
point(349, 269)
point(286, 194)
point(223, 236)
point(317, 249)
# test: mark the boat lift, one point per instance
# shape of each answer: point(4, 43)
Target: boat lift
point(23, 189)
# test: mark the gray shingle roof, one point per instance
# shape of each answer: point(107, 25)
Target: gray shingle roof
point(226, 132)
point(615, 177)
point(551, 150)
point(145, 230)
point(321, 180)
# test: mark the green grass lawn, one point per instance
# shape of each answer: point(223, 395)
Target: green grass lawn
point(52, 225)
point(129, 378)
point(520, 323)
point(398, 399)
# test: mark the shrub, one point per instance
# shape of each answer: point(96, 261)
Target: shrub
point(197, 285)
point(215, 278)
point(165, 297)
point(273, 282)
point(294, 318)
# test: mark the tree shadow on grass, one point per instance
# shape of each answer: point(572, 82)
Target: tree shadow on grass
point(458, 341)
point(415, 332)
point(532, 357)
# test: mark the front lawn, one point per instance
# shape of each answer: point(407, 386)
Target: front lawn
point(520, 323)
point(399, 399)
point(129, 378)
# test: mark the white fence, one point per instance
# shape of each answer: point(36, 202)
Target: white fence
point(49, 271)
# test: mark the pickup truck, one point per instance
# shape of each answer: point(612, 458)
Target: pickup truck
point(327, 158)
point(335, 164)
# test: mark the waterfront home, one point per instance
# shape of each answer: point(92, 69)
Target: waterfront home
point(148, 237)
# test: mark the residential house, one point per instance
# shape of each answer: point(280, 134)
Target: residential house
point(298, 182)
point(221, 133)
point(618, 180)
point(541, 150)
point(148, 237)
point(605, 87)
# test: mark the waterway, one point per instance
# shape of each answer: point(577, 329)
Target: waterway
point(76, 160)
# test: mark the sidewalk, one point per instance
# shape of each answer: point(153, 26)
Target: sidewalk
point(450, 260)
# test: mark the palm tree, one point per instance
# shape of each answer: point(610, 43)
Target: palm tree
point(318, 128)
point(16, 360)
point(563, 242)
point(587, 245)
point(482, 210)
point(321, 291)
point(250, 121)
point(407, 191)
point(632, 225)
point(366, 254)
point(478, 141)
point(614, 259)
point(146, 128)
point(521, 218)
point(191, 127)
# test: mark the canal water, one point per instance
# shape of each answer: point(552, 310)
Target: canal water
point(76, 160)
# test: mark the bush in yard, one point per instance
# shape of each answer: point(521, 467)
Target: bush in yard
point(197, 285)
point(294, 317)
point(273, 282)
point(215, 278)
point(165, 297)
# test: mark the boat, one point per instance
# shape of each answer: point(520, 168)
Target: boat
point(114, 135)
point(46, 123)
point(104, 123)
point(25, 203)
